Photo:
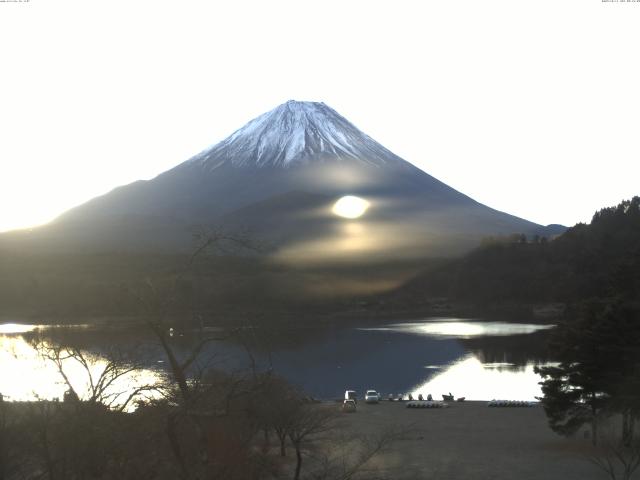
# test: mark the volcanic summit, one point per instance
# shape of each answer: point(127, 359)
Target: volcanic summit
point(277, 178)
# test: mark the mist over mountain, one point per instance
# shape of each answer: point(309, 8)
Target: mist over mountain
point(277, 178)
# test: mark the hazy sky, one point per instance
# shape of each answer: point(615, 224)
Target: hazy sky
point(531, 107)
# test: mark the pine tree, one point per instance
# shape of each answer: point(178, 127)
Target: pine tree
point(599, 370)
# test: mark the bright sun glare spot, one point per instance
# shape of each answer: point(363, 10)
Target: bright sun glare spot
point(9, 328)
point(350, 207)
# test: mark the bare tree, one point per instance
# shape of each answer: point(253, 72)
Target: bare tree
point(364, 451)
point(4, 440)
point(307, 422)
point(202, 400)
point(615, 455)
point(157, 305)
point(106, 379)
point(10, 461)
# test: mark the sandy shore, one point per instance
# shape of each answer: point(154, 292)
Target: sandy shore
point(471, 441)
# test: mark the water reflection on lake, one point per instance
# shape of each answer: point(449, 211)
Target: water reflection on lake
point(7, 328)
point(447, 327)
point(470, 378)
point(479, 360)
point(25, 375)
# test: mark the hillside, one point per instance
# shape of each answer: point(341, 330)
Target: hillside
point(595, 260)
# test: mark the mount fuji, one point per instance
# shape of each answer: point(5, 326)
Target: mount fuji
point(278, 178)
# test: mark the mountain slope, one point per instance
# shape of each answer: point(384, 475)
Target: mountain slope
point(258, 179)
point(600, 259)
point(295, 133)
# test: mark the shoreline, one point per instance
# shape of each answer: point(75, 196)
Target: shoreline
point(471, 440)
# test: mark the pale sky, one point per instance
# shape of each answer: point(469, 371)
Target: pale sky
point(531, 107)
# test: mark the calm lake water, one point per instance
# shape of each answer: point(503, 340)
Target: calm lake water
point(480, 360)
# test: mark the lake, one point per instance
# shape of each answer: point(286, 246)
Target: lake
point(477, 359)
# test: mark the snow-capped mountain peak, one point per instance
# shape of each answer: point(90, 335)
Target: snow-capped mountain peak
point(296, 133)
point(280, 177)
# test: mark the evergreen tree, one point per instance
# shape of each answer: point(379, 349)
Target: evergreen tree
point(599, 370)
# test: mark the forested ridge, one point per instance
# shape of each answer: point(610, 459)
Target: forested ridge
point(595, 260)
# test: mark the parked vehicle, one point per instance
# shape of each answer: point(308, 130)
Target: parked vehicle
point(349, 406)
point(351, 395)
point(371, 396)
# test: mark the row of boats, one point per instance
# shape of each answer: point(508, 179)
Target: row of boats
point(409, 398)
point(492, 403)
point(426, 404)
point(510, 403)
point(372, 396)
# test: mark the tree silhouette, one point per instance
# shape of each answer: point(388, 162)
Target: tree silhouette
point(599, 370)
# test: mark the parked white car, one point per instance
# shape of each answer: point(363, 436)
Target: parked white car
point(351, 395)
point(371, 396)
point(349, 406)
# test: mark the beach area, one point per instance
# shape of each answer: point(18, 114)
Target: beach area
point(469, 440)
